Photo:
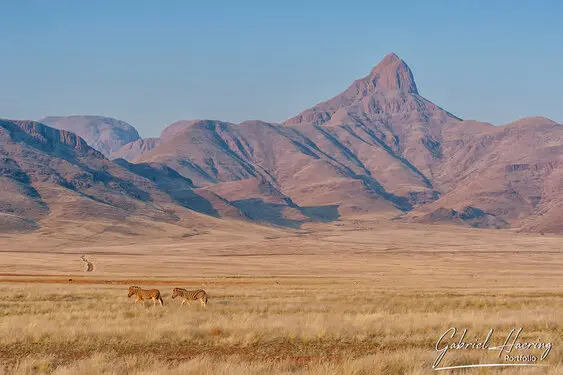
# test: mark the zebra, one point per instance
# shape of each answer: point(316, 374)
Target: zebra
point(190, 295)
point(145, 294)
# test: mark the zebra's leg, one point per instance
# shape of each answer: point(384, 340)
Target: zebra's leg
point(183, 301)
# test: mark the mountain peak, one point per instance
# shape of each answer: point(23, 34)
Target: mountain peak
point(104, 134)
point(392, 73)
point(390, 57)
point(388, 88)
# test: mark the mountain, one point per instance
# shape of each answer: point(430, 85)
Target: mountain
point(46, 173)
point(379, 146)
point(104, 134)
point(391, 76)
point(133, 150)
point(369, 148)
point(514, 171)
point(51, 172)
point(385, 107)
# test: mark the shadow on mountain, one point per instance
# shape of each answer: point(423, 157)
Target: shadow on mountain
point(15, 181)
point(195, 202)
point(257, 209)
point(322, 213)
point(16, 224)
point(471, 216)
point(178, 187)
point(284, 215)
point(401, 203)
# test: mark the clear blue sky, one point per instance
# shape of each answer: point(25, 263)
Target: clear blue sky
point(151, 63)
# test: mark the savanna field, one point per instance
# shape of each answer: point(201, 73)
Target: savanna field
point(353, 297)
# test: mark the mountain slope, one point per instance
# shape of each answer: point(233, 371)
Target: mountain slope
point(210, 152)
point(513, 171)
point(46, 167)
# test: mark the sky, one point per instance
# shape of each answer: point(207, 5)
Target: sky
point(152, 63)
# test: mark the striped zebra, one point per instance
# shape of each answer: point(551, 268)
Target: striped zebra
point(190, 295)
point(145, 294)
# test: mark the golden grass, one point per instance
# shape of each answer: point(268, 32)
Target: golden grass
point(352, 298)
point(319, 327)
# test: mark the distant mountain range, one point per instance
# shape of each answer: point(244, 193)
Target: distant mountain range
point(378, 146)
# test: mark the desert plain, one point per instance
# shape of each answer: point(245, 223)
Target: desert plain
point(360, 295)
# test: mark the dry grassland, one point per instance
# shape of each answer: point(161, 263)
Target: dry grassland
point(351, 297)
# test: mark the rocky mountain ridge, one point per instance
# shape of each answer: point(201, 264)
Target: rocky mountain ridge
point(377, 146)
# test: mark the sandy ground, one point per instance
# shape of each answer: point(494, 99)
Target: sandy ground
point(400, 255)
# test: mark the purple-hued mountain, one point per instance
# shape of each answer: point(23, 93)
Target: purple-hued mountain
point(105, 134)
point(377, 146)
point(132, 150)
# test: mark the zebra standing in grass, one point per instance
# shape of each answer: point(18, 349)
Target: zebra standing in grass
point(145, 294)
point(190, 295)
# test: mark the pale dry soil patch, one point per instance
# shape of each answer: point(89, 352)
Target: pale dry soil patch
point(351, 297)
